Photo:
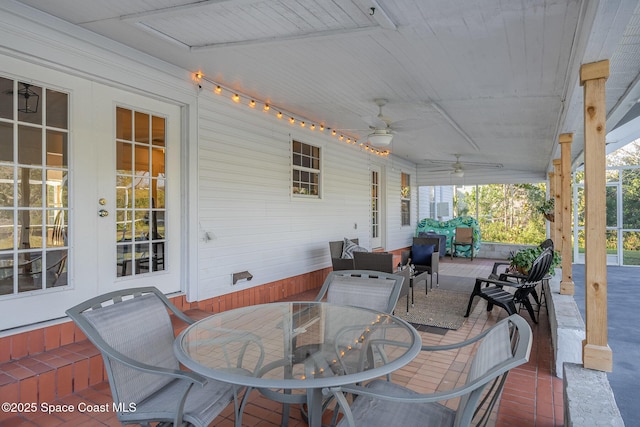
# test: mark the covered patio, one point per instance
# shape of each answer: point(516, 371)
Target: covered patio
point(213, 148)
point(533, 396)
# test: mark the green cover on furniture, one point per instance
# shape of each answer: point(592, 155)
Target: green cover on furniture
point(448, 228)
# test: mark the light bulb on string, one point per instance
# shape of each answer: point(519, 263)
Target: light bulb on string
point(236, 97)
point(218, 90)
point(252, 104)
point(266, 108)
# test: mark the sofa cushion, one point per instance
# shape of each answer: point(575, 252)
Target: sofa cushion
point(421, 254)
point(350, 247)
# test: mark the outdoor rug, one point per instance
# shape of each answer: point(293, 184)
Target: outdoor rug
point(442, 308)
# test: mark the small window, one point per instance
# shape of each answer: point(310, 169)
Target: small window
point(305, 170)
point(405, 199)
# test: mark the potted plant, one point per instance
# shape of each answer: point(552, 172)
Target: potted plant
point(522, 260)
point(546, 208)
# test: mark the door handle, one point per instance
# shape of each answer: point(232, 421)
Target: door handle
point(102, 213)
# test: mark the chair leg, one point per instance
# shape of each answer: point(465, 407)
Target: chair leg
point(527, 305)
point(470, 304)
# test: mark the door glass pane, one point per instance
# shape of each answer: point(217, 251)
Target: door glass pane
point(29, 187)
point(6, 102)
point(29, 108)
point(29, 145)
point(631, 198)
point(6, 186)
point(631, 248)
point(56, 149)
point(57, 112)
point(6, 142)
point(140, 195)
point(142, 127)
point(580, 206)
point(158, 131)
point(581, 242)
point(612, 206)
point(6, 231)
point(612, 242)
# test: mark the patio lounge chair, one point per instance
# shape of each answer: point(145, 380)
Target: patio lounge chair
point(383, 403)
point(133, 331)
point(494, 291)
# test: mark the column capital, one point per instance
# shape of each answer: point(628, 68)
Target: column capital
point(565, 137)
point(594, 70)
point(557, 162)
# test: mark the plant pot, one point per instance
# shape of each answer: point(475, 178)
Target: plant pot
point(550, 217)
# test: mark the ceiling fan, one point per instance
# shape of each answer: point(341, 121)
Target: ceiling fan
point(382, 134)
point(382, 128)
point(457, 168)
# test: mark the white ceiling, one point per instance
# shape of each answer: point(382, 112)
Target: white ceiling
point(491, 80)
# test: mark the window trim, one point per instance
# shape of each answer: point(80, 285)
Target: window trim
point(294, 167)
point(405, 199)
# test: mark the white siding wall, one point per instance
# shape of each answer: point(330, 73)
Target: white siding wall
point(246, 209)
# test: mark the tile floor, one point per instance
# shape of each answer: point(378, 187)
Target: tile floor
point(532, 395)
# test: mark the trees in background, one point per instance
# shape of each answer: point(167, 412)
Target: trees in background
point(506, 212)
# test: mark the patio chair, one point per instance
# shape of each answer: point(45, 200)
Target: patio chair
point(463, 237)
point(504, 346)
point(494, 291)
point(361, 288)
point(423, 261)
point(133, 331)
point(336, 250)
point(374, 261)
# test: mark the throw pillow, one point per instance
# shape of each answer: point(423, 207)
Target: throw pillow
point(421, 254)
point(348, 248)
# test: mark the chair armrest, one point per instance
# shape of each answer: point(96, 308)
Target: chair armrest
point(496, 265)
point(435, 262)
point(517, 276)
point(497, 282)
point(405, 257)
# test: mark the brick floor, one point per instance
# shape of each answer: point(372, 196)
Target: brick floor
point(532, 395)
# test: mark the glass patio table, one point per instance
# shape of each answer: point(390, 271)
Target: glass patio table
point(292, 350)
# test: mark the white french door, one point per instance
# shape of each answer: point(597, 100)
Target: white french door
point(137, 205)
point(120, 196)
point(376, 228)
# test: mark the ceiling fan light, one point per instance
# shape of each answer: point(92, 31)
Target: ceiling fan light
point(380, 138)
point(458, 172)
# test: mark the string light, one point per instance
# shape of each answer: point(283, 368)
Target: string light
point(252, 103)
